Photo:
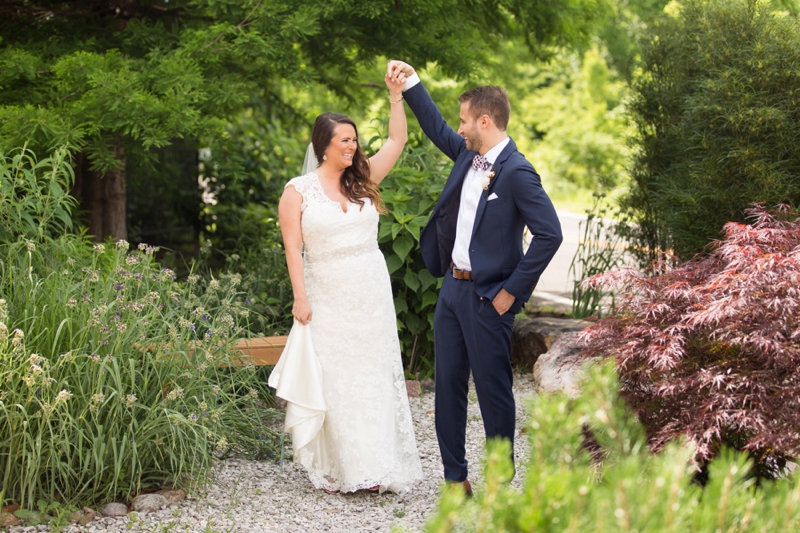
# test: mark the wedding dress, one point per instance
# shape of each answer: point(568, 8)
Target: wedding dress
point(367, 438)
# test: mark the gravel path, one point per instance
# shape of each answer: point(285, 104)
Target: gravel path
point(251, 496)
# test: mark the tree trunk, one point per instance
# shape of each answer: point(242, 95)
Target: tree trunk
point(115, 220)
point(102, 198)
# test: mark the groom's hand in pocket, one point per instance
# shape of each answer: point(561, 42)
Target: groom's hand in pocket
point(301, 310)
point(503, 301)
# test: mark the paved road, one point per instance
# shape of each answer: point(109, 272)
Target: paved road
point(555, 285)
point(556, 278)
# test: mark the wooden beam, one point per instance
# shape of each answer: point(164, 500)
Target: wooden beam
point(263, 351)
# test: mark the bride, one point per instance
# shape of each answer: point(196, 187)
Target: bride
point(344, 294)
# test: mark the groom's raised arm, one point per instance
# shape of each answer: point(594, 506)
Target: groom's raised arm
point(428, 115)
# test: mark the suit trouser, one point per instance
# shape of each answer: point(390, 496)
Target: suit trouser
point(470, 334)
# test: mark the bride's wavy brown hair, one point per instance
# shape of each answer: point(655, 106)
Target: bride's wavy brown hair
point(355, 183)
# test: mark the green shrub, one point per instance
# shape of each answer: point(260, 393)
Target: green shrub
point(113, 377)
point(245, 173)
point(410, 192)
point(266, 290)
point(34, 195)
point(717, 114)
point(631, 489)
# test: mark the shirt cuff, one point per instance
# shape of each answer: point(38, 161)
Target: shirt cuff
point(411, 81)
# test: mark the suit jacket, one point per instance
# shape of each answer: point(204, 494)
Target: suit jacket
point(495, 250)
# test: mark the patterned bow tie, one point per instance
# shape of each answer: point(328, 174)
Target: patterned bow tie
point(480, 163)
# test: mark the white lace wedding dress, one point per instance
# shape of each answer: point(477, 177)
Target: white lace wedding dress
point(367, 438)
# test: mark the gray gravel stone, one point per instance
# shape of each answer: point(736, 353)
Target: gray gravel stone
point(147, 503)
point(114, 509)
point(261, 497)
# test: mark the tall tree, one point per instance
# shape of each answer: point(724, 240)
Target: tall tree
point(717, 115)
point(111, 78)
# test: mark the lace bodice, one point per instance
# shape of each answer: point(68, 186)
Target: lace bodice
point(328, 231)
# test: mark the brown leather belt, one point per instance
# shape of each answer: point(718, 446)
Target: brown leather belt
point(466, 275)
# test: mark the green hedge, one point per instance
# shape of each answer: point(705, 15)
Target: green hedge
point(716, 108)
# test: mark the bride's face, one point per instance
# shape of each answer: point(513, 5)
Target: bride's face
point(342, 147)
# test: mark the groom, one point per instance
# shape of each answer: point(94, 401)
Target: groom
point(474, 240)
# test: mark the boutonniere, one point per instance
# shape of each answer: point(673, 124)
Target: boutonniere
point(487, 179)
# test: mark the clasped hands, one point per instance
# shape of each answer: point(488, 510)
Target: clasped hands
point(397, 73)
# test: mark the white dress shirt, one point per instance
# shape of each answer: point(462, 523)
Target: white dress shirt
point(471, 190)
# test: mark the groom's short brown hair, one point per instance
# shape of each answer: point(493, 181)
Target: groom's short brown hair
point(488, 100)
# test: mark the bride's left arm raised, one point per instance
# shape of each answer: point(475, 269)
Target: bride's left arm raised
point(382, 162)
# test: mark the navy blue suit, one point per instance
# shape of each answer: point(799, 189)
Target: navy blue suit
point(469, 334)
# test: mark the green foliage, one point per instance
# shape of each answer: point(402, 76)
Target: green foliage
point(410, 192)
point(718, 121)
point(265, 289)
point(243, 177)
point(115, 378)
point(34, 195)
point(629, 489)
point(599, 250)
point(581, 120)
point(142, 75)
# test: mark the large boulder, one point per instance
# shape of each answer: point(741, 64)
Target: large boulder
point(531, 337)
point(560, 370)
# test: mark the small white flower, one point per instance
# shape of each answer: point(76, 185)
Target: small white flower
point(99, 248)
point(63, 396)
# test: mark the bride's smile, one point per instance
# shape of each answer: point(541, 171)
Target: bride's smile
point(343, 146)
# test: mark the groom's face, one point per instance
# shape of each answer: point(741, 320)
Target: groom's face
point(469, 128)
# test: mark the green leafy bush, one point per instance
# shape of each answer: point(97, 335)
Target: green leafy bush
point(243, 176)
point(716, 109)
point(410, 192)
point(630, 489)
point(34, 195)
point(114, 377)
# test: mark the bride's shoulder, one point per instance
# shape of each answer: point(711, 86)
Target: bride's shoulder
point(301, 183)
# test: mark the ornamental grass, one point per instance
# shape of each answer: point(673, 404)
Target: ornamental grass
point(114, 378)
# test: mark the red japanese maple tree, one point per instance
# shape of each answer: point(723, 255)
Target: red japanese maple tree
point(710, 348)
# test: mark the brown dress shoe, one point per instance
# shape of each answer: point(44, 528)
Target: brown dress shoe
point(464, 485)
